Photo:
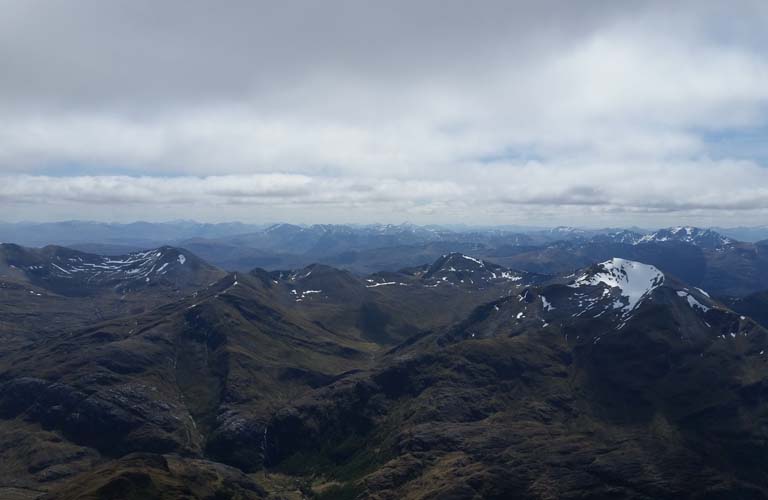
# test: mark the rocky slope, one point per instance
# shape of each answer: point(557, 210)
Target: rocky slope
point(617, 382)
point(55, 289)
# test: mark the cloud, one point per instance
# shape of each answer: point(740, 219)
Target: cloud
point(442, 109)
point(233, 189)
point(522, 189)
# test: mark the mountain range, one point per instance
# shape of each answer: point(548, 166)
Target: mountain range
point(703, 257)
point(617, 364)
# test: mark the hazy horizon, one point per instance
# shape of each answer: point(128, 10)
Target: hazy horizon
point(449, 226)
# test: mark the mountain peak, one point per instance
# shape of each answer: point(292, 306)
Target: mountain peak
point(282, 228)
point(455, 262)
point(459, 269)
point(634, 280)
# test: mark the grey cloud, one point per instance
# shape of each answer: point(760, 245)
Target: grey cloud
point(385, 107)
point(739, 186)
point(130, 54)
point(146, 53)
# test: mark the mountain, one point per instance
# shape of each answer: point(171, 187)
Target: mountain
point(607, 295)
point(705, 238)
point(700, 257)
point(388, 307)
point(55, 289)
point(198, 377)
point(458, 269)
point(618, 382)
point(69, 271)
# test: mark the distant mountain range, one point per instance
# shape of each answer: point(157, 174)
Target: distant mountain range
point(242, 246)
point(147, 234)
point(703, 257)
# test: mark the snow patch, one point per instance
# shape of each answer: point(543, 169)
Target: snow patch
point(634, 280)
point(692, 301)
point(305, 293)
point(386, 283)
point(703, 293)
point(547, 305)
point(480, 262)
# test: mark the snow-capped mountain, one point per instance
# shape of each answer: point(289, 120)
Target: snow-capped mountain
point(705, 238)
point(629, 281)
point(609, 298)
point(619, 288)
point(63, 268)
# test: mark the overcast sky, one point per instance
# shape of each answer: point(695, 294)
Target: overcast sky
point(585, 113)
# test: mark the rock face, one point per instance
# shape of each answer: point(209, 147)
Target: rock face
point(460, 379)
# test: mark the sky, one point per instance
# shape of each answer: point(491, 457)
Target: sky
point(586, 113)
